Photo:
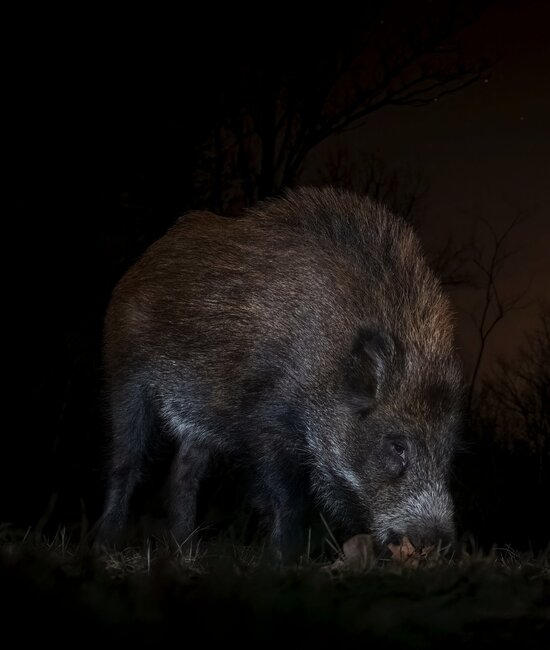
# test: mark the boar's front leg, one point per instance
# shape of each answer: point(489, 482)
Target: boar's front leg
point(281, 493)
point(188, 469)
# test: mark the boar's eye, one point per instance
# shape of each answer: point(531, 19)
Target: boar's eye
point(399, 449)
point(396, 456)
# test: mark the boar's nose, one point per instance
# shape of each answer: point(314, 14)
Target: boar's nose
point(422, 537)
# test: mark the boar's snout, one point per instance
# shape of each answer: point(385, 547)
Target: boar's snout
point(424, 517)
point(431, 535)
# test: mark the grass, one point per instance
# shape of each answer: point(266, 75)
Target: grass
point(224, 593)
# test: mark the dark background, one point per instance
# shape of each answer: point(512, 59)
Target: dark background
point(117, 124)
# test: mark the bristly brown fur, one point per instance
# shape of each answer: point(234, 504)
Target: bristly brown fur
point(309, 339)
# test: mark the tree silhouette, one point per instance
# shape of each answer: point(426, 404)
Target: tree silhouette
point(312, 80)
point(517, 394)
point(490, 262)
point(399, 189)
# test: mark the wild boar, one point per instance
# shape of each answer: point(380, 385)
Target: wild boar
point(307, 339)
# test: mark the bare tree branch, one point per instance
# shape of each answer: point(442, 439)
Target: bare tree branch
point(495, 306)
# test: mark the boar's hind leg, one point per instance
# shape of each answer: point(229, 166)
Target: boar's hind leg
point(132, 423)
point(188, 469)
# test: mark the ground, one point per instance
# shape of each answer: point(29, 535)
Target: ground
point(60, 591)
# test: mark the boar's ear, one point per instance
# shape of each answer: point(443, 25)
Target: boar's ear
point(367, 367)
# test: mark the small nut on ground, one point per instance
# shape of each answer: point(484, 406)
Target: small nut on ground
point(403, 551)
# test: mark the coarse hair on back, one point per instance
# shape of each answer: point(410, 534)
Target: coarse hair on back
point(381, 246)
